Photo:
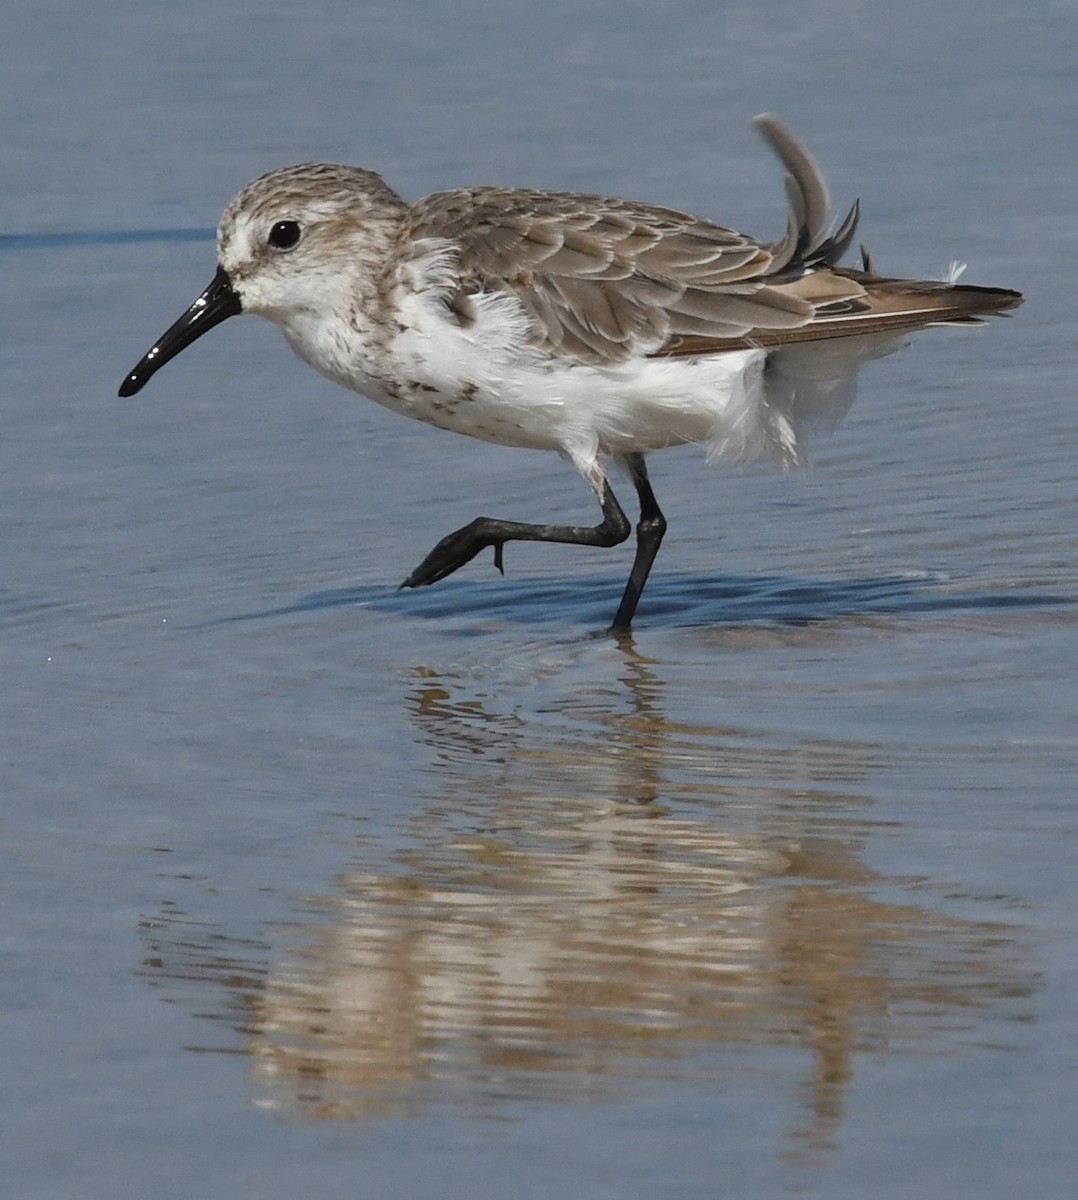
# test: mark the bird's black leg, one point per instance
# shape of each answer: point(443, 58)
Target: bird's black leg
point(649, 536)
point(461, 546)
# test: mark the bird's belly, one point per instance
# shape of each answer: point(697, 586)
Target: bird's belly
point(489, 382)
point(637, 407)
point(509, 417)
point(631, 408)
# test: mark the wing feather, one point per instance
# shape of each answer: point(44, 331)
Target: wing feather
point(605, 279)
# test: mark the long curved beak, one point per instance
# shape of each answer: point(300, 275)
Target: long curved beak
point(216, 304)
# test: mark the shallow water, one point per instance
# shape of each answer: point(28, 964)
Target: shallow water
point(316, 887)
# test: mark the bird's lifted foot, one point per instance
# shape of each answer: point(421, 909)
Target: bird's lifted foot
point(456, 549)
point(462, 545)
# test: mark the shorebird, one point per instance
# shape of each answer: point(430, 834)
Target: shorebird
point(597, 327)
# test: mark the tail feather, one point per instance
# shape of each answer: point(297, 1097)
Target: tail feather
point(886, 306)
point(806, 242)
point(838, 302)
point(806, 193)
point(889, 303)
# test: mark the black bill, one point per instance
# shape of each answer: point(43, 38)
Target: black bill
point(217, 303)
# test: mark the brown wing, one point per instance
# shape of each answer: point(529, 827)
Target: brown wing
point(604, 279)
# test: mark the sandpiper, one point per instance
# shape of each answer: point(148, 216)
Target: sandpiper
point(597, 327)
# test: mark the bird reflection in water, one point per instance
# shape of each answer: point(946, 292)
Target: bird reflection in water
point(594, 896)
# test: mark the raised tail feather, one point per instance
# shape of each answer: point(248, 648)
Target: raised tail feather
point(847, 302)
point(806, 243)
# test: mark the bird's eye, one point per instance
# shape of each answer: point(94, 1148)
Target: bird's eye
point(284, 235)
